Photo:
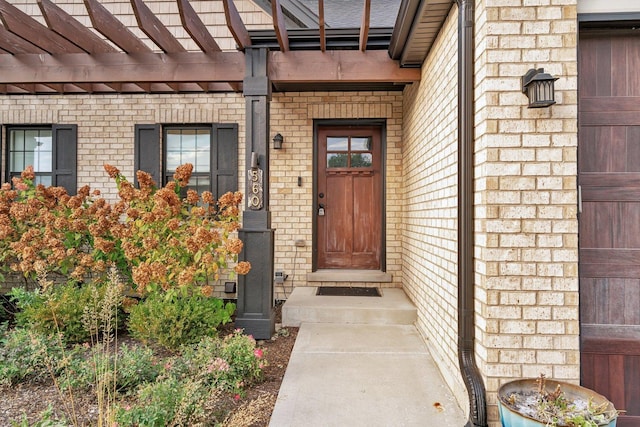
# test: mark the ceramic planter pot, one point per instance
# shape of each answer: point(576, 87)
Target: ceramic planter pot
point(517, 417)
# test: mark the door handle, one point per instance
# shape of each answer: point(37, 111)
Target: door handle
point(320, 209)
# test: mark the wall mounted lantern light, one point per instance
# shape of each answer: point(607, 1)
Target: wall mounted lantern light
point(538, 86)
point(277, 141)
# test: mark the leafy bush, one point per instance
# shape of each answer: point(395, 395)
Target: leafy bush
point(168, 402)
point(229, 364)
point(121, 372)
point(212, 366)
point(178, 317)
point(60, 309)
point(156, 239)
point(26, 355)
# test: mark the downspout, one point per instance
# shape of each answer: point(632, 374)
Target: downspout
point(466, 311)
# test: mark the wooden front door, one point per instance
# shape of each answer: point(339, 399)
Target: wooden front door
point(349, 197)
point(609, 179)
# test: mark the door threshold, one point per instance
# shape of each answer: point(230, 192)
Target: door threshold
point(371, 276)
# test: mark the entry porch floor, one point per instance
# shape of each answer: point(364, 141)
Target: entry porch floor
point(354, 365)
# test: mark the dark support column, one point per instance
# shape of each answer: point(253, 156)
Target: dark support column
point(255, 311)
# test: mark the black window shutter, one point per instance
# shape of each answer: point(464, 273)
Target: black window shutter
point(224, 159)
point(65, 157)
point(147, 153)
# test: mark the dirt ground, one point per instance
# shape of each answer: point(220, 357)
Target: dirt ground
point(30, 400)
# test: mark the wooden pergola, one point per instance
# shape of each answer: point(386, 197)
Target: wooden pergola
point(65, 56)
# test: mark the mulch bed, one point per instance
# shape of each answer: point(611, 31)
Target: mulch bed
point(30, 400)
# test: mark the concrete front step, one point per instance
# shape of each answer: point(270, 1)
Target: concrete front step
point(392, 308)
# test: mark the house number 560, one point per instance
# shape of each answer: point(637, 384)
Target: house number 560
point(254, 198)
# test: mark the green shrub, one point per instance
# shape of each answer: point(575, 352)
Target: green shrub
point(29, 356)
point(124, 372)
point(211, 367)
point(229, 364)
point(169, 402)
point(61, 309)
point(178, 317)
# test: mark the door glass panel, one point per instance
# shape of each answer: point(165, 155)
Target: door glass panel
point(337, 160)
point(361, 160)
point(361, 144)
point(337, 143)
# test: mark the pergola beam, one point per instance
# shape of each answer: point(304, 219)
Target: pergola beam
point(22, 25)
point(193, 25)
point(342, 66)
point(122, 68)
point(16, 45)
point(364, 26)
point(155, 29)
point(68, 27)
point(279, 25)
point(321, 25)
point(203, 69)
point(110, 27)
point(235, 25)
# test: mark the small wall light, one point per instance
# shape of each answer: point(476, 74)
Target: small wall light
point(229, 287)
point(538, 86)
point(277, 141)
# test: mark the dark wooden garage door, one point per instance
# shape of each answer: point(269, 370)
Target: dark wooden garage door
point(609, 178)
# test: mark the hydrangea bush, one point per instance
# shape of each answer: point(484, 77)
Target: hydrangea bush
point(156, 238)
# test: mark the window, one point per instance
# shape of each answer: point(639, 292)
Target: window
point(212, 149)
point(189, 145)
point(31, 147)
point(51, 150)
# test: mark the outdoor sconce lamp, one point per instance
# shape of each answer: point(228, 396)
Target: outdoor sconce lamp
point(277, 141)
point(538, 86)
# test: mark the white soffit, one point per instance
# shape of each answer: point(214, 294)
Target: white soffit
point(608, 6)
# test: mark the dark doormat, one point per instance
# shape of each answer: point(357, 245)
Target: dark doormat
point(347, 291)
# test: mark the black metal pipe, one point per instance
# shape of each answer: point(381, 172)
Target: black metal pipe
point(466, 321)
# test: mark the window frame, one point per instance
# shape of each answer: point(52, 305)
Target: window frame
point(64, 154)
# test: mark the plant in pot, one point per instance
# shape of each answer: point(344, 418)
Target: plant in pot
point(538, 402)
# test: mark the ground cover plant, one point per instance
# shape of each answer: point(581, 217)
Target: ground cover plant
point(144, 269)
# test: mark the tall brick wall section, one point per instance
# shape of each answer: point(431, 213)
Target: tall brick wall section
point(526, 214)
point(526, 201)
point(430, 188)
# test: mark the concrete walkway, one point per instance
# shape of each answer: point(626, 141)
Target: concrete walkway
point(353, 374)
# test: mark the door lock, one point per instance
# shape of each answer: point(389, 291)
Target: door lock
point(320, 209)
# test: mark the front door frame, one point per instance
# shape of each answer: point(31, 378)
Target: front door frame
point(382, 123)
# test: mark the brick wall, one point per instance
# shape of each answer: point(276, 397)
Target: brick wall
point(429, 235)
point(526, 214)
point(526, 225)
